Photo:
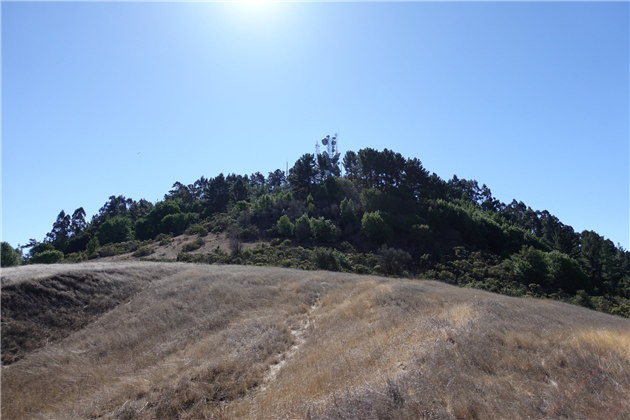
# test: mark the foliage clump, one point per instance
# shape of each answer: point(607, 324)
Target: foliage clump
point(47, 257)
point(143, 251)
point(193, 246)
point(10, 257)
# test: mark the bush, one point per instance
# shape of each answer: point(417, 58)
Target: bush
point(110, 251)
point(285, 227)
point(375, 228)
point(241, 206)
point(192, 246)
point(75, 257)
point(323, 230)
point(10, 257)
point(331, 260)
point(93, 246)
point(393, 261)
point(41, 247)
point(325, 259)
point(197, 229)
point(143, 251)
point(114, 230)
point(528, 266)
point(220, 222)
point(250, 233)
point(348, 214)
point(47, 257)
point(276, 241)
point(78, 242)
point(582, 298)
point(361, 269)
point(565, 273)
point(177, 223)
point(164, 239)
point(303, 228)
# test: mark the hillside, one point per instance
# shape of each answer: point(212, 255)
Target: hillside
point(142, 340)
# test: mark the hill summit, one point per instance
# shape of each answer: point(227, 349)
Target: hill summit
point(385, 215)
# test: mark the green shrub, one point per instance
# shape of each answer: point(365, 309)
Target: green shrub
point(177, 223)
point(393, 261)
point(114, 230)
point(130, 246)
point(78, 243)
point(93, 246)
point(582, 298)
point(47, 257)
point(303, 228)
point(323, 230)
point(565, 273)
point(197, 229)
point(349, 217)
point(327, 259)
point(110, 250)
point(41, 247)
point(143, 251)
point(164, 239)
point(76, 257)
point(331, 260)
point(285, 227)
point(220, 222)
point(192, 246)
point(241, 206)
point(361, 269)
point(10, 257)
point(250, 233)
point(528, 266)
point(447, 277)
point(375, 228)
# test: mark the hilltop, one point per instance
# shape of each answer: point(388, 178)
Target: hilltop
point(386, 215)
point(141, 340)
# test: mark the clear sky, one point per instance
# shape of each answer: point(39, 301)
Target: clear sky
point(103, 99)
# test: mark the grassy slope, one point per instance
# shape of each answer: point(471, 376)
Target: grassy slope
point(199, 341)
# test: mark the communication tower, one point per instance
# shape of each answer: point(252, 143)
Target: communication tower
point(331, 153)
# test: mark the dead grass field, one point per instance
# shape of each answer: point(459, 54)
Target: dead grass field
point(189, 341)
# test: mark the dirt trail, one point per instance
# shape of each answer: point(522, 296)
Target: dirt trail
point(299, 339)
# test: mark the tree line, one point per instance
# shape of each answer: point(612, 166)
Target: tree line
point(385, 214)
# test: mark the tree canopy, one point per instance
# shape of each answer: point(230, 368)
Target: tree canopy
point(386, 214)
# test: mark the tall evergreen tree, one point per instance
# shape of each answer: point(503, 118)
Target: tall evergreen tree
point(60, 232)
point(302, 175)
point(78, 223)
point(217, 193)
point(275, 180)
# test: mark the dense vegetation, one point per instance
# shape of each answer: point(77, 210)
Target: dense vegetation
point(386, 215)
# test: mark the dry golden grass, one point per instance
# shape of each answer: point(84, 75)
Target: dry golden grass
point(197, 341)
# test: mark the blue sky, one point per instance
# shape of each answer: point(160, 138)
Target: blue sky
point(528, 98)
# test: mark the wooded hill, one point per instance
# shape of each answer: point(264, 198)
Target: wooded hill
point(385, 215)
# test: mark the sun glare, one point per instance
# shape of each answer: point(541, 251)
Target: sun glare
point(256, 2)
point(257, 8)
